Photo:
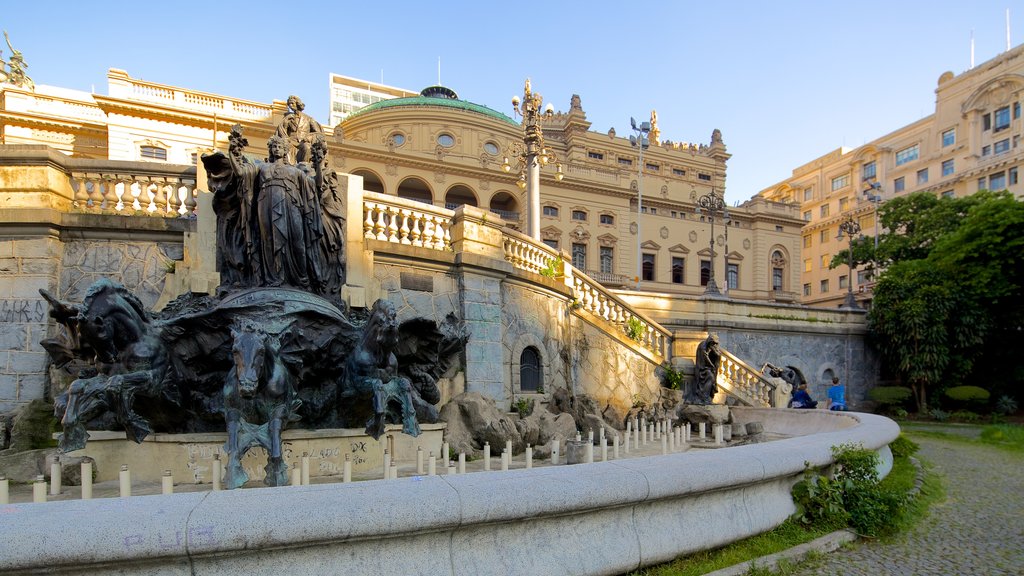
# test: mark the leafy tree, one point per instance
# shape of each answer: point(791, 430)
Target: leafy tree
point(951, 292)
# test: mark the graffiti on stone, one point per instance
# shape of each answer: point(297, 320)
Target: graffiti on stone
point(22, 310)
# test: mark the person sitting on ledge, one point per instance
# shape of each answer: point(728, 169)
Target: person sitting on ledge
point(837, 396)
point(801, 399)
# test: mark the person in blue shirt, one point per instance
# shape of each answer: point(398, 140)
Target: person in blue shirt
point(801, 399)
point(837, 396)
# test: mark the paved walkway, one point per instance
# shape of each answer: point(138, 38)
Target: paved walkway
point(977, 530)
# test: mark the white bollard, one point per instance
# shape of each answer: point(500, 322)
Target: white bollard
point(216, 471)
point(431, 464)
point(296, 475)
point(686, 432)
point(451, 468)
point(126, 481)
point(305, 469)
point(529, 457)
point(602, 434)
point(166, 483)
point(636, 433)
point(719, 433)
point(39, 489)
point(462, 462)
point(604, 449)
point(55, 479)
point(445, 452)
point(615, 447)
point(346, 469)
point(86, 480)
point(590, 435)
point(393, 473)
point(664, 445)
point(671, 440)
point(5, 490)
point(629, 428)
point(504, 460)
point(579, 437)
point(419, 460)
point(387, 463)
point(554, 452)
point(627, 443)
point(701, 430)
point(589, 453)
point(643, 436)
point(487, 456)
point(508, 448)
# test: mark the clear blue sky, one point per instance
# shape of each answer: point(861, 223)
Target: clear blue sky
point(785, 81)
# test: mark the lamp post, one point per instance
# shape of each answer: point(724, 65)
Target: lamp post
point(873, 194)
point(639, 141)
point(531, 154)
point(849, 227)
point(712, 203)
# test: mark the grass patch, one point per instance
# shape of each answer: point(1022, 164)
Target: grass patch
point(1006, 436)
point(785, 536)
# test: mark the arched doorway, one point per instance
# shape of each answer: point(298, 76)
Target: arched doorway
point(531, 374)
point(506, 205)
point(415, 189)
point(459, 195)
point(371, 182)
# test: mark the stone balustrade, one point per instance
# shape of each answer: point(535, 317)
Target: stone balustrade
point(401, 221)
point(592, 297)
point(744, 382)
point(525, 254)
point(123, 86)
point(123, 192)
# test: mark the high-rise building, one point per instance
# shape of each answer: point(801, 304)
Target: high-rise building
point(971, 142)
point(351, 94)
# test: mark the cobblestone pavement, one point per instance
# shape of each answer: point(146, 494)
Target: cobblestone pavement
point(977, 530)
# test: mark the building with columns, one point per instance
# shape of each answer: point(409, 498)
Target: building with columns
point(441, 150)
point(971, 142)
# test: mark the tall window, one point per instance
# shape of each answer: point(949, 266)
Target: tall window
point(807, 241)
point(844, 203)
point(922, 176)
point(949, 137)
point(648, 267)
point(705, 272)
point(997, 181)
point(807, 216)
point(899, 184)
point(824, 210)
point(808, 194)
point(824, 286)
point(908, 154)
point(826, 259)
point(807, 289)
point(732, 276)
point(678, 267)
point(607, 259)
point(1001, 119)
point(807, 264)
point(840, 182)
point(1001, 146)
point(531, 377)
point(869, 170)
point(947, 167)
point(579, 256)
point(843, 281)
point(777, 274)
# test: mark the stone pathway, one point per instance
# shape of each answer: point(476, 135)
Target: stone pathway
point(977, 530)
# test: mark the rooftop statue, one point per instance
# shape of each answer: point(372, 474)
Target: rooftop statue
point(13, 71)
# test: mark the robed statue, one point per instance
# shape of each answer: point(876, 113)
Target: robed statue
point(709, 356)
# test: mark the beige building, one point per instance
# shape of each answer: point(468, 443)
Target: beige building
point(350, 94)
point(971, 142)
point(449, 152)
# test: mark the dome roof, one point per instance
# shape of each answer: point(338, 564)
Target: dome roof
point(434, 96)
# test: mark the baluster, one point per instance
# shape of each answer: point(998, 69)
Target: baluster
point(190, 200)
point(368, 223)
point(95, 193)
point(404, 230)
point(447, 239)
point(149, 193)
point(110, 198)
point(173, 200)
point(417, 231)
point(392, 224)
point(81, 196)
point(160, 198)
point(380, 225)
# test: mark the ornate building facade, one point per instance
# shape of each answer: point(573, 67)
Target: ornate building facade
point(971, 142)
point(444, 151)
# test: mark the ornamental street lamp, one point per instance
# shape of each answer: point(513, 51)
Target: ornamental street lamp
point(850, 227)
point(639, 141)
point(712, 203)
point(531, 154)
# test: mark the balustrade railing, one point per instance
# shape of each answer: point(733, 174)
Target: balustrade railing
point(744, 382)
point(593, 298)
point(124, 191)
point(401, 221)
point(525, 254)
point(121, 85)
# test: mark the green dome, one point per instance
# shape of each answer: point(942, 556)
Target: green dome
point(434, 96)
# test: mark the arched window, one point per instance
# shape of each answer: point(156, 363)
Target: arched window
point(778, 271)
point(531, 377)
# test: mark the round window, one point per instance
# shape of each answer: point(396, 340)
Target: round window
point(398, 138)
point(446, 140)
point(491, 148)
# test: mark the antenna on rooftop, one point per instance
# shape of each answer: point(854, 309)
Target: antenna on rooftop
point(972, 49)
point(1007, 29)
point(439, 71)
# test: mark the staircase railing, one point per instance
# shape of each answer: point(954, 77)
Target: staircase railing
point(746, 384)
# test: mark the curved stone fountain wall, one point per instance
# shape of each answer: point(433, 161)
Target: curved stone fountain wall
point(602, 518)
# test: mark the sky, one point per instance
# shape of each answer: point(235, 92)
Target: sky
point(785, 82)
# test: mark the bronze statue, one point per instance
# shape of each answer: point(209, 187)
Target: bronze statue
point(299, 130)
point(706, 385)
point(15, 68)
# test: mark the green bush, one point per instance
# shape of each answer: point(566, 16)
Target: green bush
point(968, 394)
point(524, 406)
point(903, 447)
point(939, 415)
point(670, 377)
point(966, 416)
point(890, 395)
point(1006, 405)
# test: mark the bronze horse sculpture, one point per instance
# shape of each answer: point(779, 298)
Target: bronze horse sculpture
point(259, 399)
